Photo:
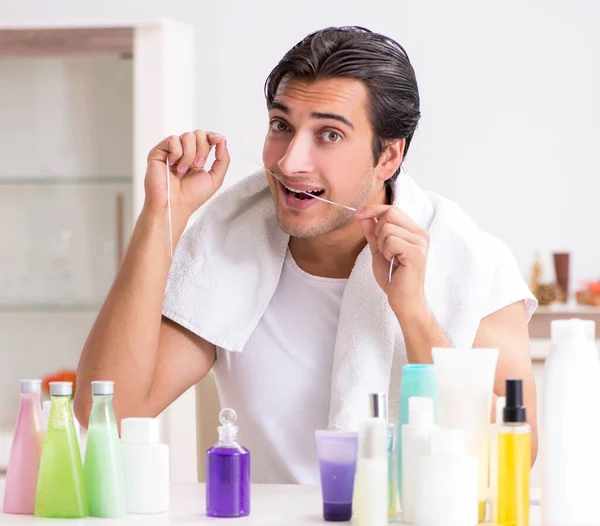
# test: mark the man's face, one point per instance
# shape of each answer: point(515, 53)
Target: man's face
point(319, 140)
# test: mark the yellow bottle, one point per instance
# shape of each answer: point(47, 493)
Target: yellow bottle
point(514, 459)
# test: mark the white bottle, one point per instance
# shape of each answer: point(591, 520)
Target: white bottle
point(371, 489)
point(415, 443)
point(146, 466)
point(570, 427)
point(494, 428)
point(448, 482)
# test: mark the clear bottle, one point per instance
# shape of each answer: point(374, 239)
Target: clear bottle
point(146, 466)
point(227, 472)
point(494, 428)
point(103, 466)
point(61, 488)
point(415, 443)
point(570, 426)
point(24, 463)
point(371, 488)
point(514, 459)
point(378, 408)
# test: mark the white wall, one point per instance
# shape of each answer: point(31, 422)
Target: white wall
point(509, 128)
point(508, 97)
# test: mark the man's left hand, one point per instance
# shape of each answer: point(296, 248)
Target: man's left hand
point(391, 234)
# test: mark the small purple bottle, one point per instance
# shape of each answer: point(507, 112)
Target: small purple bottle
point(227, 472)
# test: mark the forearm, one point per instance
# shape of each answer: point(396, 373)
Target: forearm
point(421, 333)
point(123, 343)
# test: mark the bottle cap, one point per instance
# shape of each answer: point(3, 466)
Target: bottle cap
point(421, 411)
point(447, 441)
point(30, 386)
point(227, 430)
point(140, 431)
point(373, 438)
point(514, 410)
point(500, 403)
point(61, 388)
point(574, 329)
point(103, 387)
point(378, 405)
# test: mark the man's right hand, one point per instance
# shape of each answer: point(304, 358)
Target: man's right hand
point(191, 184)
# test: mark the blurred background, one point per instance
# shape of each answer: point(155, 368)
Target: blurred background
point(509, 131)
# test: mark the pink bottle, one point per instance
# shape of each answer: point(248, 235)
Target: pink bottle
point(24, 463)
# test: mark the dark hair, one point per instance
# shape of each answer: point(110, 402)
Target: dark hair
point(378, 61)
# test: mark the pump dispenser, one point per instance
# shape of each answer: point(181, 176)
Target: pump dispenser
point(227, 472)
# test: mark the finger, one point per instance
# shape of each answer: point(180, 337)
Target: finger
point(392, 214)
point(175, 150)
point(368, 228)
point(402, 251)
point(202, 148)
point(222, 159)
point(168, 149)
point(394, 248)
point(385, 229)
point(188, 141)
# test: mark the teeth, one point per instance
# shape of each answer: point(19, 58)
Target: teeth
point(314, 192)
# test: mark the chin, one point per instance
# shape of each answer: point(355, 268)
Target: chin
point(302, 229)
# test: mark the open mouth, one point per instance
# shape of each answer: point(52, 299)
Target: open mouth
point(302, 194)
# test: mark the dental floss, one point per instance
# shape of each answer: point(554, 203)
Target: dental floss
point(309, 194)
point(331, 203)
point(169, 206)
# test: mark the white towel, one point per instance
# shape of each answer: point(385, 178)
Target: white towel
point(227, 266)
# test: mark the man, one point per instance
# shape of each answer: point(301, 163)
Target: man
point(280, 275)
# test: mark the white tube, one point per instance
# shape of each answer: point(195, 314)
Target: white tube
point(465, 380)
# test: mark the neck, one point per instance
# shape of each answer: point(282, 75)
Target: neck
point(332, 255)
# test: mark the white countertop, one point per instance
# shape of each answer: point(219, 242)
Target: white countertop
point(271, 505)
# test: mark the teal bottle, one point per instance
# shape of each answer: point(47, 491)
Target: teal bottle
point(103, 466)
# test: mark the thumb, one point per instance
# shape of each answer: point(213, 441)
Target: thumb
point(368, 227)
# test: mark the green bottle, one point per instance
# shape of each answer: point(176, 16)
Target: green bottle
point(60, 489)
point(103, 467)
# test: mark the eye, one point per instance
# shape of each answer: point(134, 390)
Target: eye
point(330, 136)
point(278, 126)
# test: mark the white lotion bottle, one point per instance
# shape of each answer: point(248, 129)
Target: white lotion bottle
point(415, 443)
point(371, 489)
point(494, 429)
point(570, 427)
point(146, 466)
point(448, 482)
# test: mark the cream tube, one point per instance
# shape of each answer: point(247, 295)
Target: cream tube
point(465, 379)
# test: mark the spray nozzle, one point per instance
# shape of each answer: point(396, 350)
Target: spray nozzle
point(227, 430)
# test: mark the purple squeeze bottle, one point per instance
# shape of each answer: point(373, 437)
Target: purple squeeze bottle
point(227, 472)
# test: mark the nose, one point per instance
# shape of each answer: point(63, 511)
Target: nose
point(298, 157)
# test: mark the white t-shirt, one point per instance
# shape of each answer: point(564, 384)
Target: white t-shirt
point(280, 384)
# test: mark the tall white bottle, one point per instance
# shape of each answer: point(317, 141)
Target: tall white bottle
point(570, 427)
point(415, 444)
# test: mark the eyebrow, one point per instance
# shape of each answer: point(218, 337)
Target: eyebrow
point(315, 115)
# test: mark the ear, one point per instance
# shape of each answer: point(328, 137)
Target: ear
point(390, 159)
